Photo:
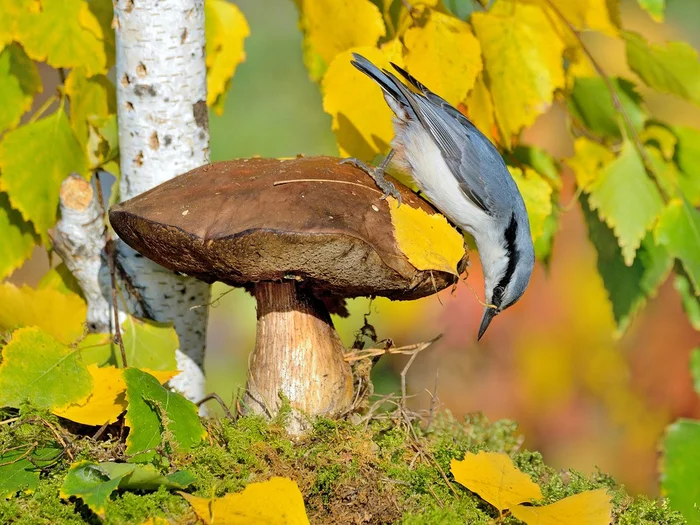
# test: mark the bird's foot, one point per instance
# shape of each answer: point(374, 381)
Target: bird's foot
point(377, 174)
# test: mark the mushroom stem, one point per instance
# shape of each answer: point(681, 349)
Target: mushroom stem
point(298, 354)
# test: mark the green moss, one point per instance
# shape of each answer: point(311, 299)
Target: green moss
point(374, 473)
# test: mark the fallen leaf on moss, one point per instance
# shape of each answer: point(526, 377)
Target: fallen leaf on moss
point(108, 397)
point(274, 502)
point(428, 241)
point(592, 507)
point(494, 477)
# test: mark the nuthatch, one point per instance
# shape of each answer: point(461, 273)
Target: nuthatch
point(464, 176)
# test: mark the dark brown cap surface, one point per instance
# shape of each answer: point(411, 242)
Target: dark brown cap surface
point(239, 222)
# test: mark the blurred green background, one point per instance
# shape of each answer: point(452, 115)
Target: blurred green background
point(581, 397)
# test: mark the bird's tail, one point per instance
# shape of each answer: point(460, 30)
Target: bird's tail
point(394, 90)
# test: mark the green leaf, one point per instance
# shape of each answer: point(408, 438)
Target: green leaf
point(687, 159)
point(537, 195)
point(679, 231)
point(146, 477)
point(544, 244)
point(38, 369)
point(541, 161)
point(34, 160)
point(61, 279)
point(226, 29)
point(12, 14)
point(18, 238)
point(19, 82)
point(147, 344)
point(680, 465)
point(628, 287)
point(655, 8)
point(19, 471)
point(672, 68)
point(591, 103)
point(157, 417)
point(627, 200)
point(65, 34)
point(92, 101)
point(660, 137)
point(695, 368)
point(691, 301)
point(86, 481)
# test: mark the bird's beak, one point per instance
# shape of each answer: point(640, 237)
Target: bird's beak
point(489, 314)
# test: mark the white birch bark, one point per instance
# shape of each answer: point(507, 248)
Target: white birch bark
point(163, 132)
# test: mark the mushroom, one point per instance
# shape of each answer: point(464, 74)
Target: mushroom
point(301, 235)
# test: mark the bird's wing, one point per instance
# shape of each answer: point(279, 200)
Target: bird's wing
point(467, 152)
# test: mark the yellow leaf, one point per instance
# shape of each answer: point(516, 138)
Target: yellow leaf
point(226, 29)
point(274, 502)
point(428, 241)
point(493, 476)
point(523, 60)
point(443, 54)
point(12, 14)
point(59, 314)
point(108, 397)
point(588, 161)
point(156, 521)
point(106, 401)
point(480, 109)
point(361, 117)
point(333, 26)
point(537, 194)
point(65, 33)
point(592, 507)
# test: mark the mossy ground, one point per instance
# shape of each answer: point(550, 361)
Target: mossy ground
point(381, 471)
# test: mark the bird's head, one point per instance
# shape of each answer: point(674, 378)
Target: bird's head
point(507, 268)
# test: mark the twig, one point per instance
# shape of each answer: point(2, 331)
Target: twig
point(8, 421)
point(111, 257)
point(215, 302)
point(61, 440)
point(218, 399)
point(280, 182)
point(433, 402)
point(22, 456)
point(615, 99)
point(101, 430)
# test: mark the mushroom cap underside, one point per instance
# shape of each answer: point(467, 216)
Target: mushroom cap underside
point(309, 219)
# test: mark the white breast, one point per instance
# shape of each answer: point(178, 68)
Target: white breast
point(420, 156)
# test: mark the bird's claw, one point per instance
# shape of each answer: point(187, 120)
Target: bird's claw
point(377, 175)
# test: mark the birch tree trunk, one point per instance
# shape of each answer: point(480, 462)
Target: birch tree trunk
point(163, 132)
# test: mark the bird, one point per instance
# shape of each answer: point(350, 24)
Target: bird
point(463, 175)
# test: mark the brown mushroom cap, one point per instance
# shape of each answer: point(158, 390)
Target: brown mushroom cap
point(234, 222)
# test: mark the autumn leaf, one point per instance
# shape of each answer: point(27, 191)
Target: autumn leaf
point(592, 507)
point(34, 160)
point(38, 369)
point(92, 101)
point(678, 230)
point(655, 8)
point(629, 218)
point(19, 470)
point(156, 415)
point(147, 344)
point(427, 241)
point(671, 68)
point(277, 501)
point(537, 195)
point(17, 236)
point(523, 60)
point(332, 27)
point(58, 314)
point(226, 29)
point(480, 109)
point(430, 55)
point(628, 287)
point(361, 117)
point(19, 82)
point(494, 477)
point(108, 397)
point(65, 34)
point(588, 161)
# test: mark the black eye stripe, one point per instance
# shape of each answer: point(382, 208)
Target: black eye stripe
point(509, 236)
